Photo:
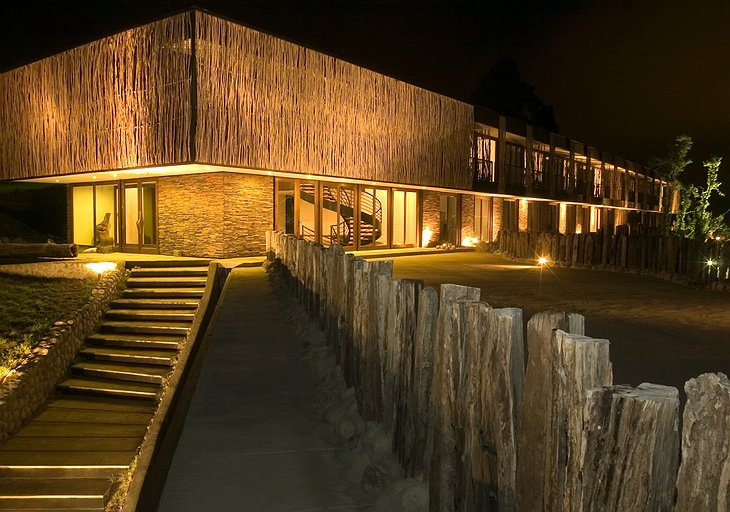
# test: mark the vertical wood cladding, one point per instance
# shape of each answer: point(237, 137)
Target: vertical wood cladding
point(119, 102)
point(269, 104)
point(220, 215)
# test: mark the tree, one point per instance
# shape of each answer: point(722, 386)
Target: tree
point(503, 90)
point(706, 223)
point(694, 218)
point(671, 168)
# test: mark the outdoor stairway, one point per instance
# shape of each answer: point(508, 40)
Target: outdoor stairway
point(67, 457)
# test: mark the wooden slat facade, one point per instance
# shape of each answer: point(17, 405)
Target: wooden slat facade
point(119, 102)
point(269, 104)
point(258, 101)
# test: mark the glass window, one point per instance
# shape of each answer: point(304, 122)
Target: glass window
point(307, 211)
point(405, 225)
point(482, 218)
point(106, 205)
point(330, 217)
point(285, 205)
point(83, 215)
point(373, 218)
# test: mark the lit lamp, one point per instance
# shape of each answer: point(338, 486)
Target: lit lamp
point(542, 260)
point(100, 267)
point(426, 237)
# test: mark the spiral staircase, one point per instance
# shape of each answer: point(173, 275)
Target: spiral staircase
point(343, 232)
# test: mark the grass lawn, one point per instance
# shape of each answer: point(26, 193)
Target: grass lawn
point(28, 308)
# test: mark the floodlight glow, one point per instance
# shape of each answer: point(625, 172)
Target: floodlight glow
point(542, 260)
point(100, 266)
point(426, 236)
point(469, 241)
point(710, 263)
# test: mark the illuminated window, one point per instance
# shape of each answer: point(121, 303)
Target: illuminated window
point(483, 218)
point(405, 222)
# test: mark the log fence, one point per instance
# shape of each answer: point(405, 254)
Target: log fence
point(488, 427)
point(641, 251)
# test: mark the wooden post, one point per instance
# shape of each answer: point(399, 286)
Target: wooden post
point(579, 363)
point(441, 455)
point(630, 450)
point(704, 476)
point(533, 450)
point(425, 342)
point(473, 390)
point(398, 369)
point(502, 390)
point(356, 302)
point(370, 325)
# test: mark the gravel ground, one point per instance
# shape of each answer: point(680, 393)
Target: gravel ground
point(660, 332)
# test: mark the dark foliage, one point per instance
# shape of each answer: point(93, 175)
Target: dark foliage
point(503, 90)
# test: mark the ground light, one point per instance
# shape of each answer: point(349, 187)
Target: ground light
point(710, 263)
point(99, 267)
point(541, 262)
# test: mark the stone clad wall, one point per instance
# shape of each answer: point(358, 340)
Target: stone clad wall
point(431, 213)
point(467, 216)
point(219, 214)
point(25, 389)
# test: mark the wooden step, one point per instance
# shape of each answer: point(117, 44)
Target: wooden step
point(163, 315)
point(135, 340)
point(123, 372)
point(64, 415)
point(75, 428)
point(170, 272)
point(153, 303)
point(54, 494)
point(126, 326)
point(166, 282)
point(68, 444)
point(165, 263)
point(56, 461)
point(126, 355)
point(163, 293)
point(107, 387)
point(100, 404)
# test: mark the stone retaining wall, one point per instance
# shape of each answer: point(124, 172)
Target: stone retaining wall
point(25, 389)
point(69, 269)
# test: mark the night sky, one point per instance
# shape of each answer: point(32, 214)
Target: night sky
point(626, 76)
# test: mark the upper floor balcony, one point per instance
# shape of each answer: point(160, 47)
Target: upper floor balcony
point(529, 163)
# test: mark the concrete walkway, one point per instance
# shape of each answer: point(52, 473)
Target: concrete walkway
point(252, 439)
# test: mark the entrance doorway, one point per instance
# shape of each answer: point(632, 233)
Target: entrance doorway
point(138, 217)
point(449, 219)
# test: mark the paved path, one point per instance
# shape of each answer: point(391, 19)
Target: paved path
point(252, 439)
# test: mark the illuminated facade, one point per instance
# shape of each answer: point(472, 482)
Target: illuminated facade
point(194, 135)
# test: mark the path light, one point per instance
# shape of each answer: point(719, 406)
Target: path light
point(426, 236)
point(710, 263)
point(99, 267)
point(542, 260)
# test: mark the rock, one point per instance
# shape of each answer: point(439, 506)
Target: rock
point(412, 495)
point(374, 478)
